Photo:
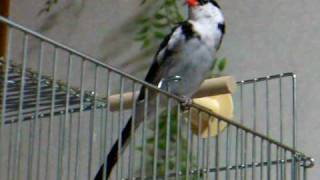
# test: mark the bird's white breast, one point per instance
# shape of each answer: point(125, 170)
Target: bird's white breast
point(208, 32)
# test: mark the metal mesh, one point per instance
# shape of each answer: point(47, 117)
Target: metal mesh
point(57, 122)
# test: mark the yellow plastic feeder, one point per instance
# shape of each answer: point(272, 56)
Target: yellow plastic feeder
point(202, 124)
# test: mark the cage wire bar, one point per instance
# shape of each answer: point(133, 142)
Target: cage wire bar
point(57, 122)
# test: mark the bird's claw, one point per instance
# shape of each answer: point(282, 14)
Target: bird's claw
point(187, 102)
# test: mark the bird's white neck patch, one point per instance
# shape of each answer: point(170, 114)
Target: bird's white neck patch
point(205, 20)
point(207, 32)
point(206, 12)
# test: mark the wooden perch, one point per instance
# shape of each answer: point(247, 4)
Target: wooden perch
point(210, 87)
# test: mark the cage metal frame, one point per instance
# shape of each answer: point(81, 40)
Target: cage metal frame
point(298, 159)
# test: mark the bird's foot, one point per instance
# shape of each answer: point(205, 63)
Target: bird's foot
point(187, 102)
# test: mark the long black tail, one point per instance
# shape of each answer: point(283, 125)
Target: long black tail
point(125, 136)
point(113, 153)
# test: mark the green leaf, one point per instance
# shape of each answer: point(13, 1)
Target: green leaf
point(159, 16)
point(143, 2)
point(222, 64)
point(169, 2)
point(150, 141)
point(162, 144)
point(144, 30)
point(160, 24)
point(159, 35)
point(143, 20)
point(140, 37)
point(215, 63)
point(146, 43)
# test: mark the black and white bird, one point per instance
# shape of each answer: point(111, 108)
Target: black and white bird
point(188, 52)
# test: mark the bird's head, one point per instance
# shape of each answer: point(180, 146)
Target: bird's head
point(200, 9)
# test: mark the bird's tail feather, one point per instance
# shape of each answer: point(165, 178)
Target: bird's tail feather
point(113, 155)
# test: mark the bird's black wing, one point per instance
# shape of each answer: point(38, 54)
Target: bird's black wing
point(178, 35)
point(222, 28)
point(182, 32)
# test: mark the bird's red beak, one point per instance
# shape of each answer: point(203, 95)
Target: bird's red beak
point(192, 3)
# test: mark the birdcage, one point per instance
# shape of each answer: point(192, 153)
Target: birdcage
point(62, 110)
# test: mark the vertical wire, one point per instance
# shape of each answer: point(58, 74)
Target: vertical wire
point(261, 159)
point(298, 169)
point(120, 125)
point(60, 146)
point(145, 118)
point(305, 173)
point(208, 147)
point(278, 162)
point(242, 152)
point(20, 117)
point(178, 143)
point(280, 174)
point(101, 128)
point(121, 165)
point(108, 114)
point(69, 144)
point(53, 96)
point(131, 148)
point(241, 133)
point(268, 128)
point(38, 101)
point(156, 134)
point(11, 151)
point(198, 145)
point(254, 151)
point(91, 122)
point(281, 126)
point(245, 154)
point(189, 144)
point(39, 147)
point(203, 157)
point(217, 163)
point(293, 166)
point(285, 165)
point(281, 109)
point(64, 121)
point(35, 121)
point(112, 134)
point(67, 113)
point(236, 154)
point(4, 99)
point(294, 128)
point(168, 124)
point(31, 146)
point(81, 108)
point(294, 112)
point(228, 149)
point(192, 153)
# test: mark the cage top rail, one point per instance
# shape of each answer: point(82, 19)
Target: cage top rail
point(281, 75)
point(299, 155)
